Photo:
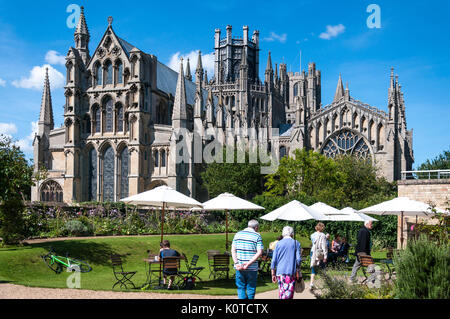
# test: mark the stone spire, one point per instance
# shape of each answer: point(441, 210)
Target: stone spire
point(199, 62)
point(188, 71)
point(46, 114)
point(205, 79)
point(339, 90)
point(199, 71)
point(82, 37)
point(179, 115)
point(269, 63)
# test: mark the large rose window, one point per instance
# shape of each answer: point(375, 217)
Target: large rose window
point(346, 142)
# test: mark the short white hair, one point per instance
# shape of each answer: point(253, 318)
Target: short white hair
point(367, 222)
point(253, 224)
point(287, 231)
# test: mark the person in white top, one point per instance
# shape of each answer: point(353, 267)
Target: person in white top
point(319, 251)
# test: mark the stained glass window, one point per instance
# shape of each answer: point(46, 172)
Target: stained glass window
point(109, 72)
point(119, 72)
point(99, 73)
point(124, 169)
point(108, 175)
point(92, 175)
point(346, 142)
point(109, 116)
point(120, 119)
point(97, 120)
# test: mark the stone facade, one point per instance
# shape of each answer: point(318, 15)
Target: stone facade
point(435, 192)
point(126, 112)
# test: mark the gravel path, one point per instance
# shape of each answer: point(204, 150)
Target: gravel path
point(10, 291)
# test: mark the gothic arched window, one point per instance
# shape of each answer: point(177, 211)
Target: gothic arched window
point(124, 169)
point(119, 118)
point(109, 115)
point(109, 72)
point(92, 175)
point(156, 158)
point(163, 158)
point(296, 89)
point(51, 191)
point(346, 142)
point(108, 175)
point(98, 74)
point(119, 78)
point(97, 119)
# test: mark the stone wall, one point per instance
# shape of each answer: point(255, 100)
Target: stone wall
point(432, 191)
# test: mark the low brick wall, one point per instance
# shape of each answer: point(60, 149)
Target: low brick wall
point(432, 191)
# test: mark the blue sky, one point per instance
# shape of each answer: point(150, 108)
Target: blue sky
point(413, 38)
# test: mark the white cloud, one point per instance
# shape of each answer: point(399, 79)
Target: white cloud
point(8, 129)
point(53, 57)
point(207, 62)
point(275, 37)
point(35, 80)
point(2, 82)
point(26, 144)
point(332, 31)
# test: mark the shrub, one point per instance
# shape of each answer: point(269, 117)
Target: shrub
point(422, 270)
point(77, 228)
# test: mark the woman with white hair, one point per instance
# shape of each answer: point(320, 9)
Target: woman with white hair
point(286, 263)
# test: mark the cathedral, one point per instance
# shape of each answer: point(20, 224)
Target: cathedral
point(129, 119)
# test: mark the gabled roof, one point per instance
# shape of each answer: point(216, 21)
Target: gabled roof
point(127, 47)
point(166, 81)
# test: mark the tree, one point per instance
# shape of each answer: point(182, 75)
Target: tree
point(16, 176)
point(442, 161)
point(307, 173)
point(241, 179)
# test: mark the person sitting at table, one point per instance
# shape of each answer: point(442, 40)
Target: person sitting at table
point(343, 251)
point(272, 246)
point(166, 251)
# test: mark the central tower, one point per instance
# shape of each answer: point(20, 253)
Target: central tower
point(229, 52)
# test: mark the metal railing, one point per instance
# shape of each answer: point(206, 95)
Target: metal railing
point(426, 174)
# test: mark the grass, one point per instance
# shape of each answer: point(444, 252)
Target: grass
point(23, 265)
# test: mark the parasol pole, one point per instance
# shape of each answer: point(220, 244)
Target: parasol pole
point(401, 230)
point(162, 222)
point(226, 230)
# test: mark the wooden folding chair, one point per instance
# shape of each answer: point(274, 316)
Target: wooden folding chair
point(365, 261)
point(123, 277)
point(172, 264)
point(221, 266)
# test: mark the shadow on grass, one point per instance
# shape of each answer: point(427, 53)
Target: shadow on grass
point(94, 252)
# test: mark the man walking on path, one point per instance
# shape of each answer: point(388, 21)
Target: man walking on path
point(246, 248)
point(362, 247)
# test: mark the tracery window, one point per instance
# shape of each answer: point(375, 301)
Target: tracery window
point(109, 72)
point(51, 191)
point(346, 142)
point(296, 89)
point(108, 175)
point(109, 115)
point(97, 119)
point(124, 169)
point(98, 74)
point(119, 118)
point(92, 175)
point(119, 72)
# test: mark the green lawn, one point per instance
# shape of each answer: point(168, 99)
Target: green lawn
point(23, 265)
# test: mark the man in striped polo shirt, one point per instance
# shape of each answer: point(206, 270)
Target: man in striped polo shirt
point(246, 248)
